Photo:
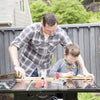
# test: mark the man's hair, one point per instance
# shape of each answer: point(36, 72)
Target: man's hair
point(72, 49)
point(50, 19)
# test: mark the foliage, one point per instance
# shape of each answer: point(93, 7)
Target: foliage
point(70, 11)
point(95, 18)
point(38, 9)
point(67, 11)
point(87, 96)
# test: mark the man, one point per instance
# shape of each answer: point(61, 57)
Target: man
point(40, 41)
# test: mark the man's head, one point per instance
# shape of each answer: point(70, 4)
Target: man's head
point(50, 23)
point(72, 52)
point(50, 19)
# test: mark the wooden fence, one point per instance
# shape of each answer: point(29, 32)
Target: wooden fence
point(86, 35)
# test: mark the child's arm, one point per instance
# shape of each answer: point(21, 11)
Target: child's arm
point(54, 69)
point(57, 68)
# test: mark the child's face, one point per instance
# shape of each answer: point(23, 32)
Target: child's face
point(70, 59)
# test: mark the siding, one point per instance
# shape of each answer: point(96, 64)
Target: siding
point(86, 35)
point(21, 18)
point(6, 12)
point(11, 15)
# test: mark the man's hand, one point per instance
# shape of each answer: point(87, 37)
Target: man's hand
point(85, 73)
point(20, 72)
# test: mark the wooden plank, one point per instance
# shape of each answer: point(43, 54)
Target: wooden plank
point(92, 51)
point(81, 42)
point(6, 44)
point(75, 35)
point(60, 52)
point(97, 67)
point(7, 76)
point(49, 79)
point(87, 49)
point(70, 33)
point(2, 59)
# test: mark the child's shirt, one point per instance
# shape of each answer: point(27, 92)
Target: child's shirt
point(62, 66)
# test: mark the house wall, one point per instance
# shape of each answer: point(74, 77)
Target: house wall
point(22, 16)
point(13, 15)
point(6, 12)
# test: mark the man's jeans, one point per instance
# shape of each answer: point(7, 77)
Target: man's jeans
point(35, 73)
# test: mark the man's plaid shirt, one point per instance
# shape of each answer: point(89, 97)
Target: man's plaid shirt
point(38, 52)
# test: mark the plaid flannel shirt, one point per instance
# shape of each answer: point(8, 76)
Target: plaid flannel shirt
point(37, 52)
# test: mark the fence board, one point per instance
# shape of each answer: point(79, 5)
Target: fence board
point(81, 42)
point(6, 45)
point(2, 54)
point(87, 48)
point(75, 35)
point(92, 50)
point(97, 58)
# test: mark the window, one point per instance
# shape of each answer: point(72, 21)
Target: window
point(22, 5)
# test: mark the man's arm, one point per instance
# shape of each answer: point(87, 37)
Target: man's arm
point(13, 52)
point(80, 62)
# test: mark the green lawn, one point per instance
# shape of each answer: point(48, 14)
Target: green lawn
point(88, 96)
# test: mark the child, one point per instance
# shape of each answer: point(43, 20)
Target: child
point(67, 67)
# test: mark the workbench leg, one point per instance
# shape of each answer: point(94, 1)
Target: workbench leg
point(24, 96)
point(70, 96)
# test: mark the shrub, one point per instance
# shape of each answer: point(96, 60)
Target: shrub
point(67, 11)
point(70, 11)
point(38, 9)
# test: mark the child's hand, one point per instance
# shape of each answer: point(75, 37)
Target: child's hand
point(69, 74)
point(80, 75)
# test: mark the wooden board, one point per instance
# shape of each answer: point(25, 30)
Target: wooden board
point(51, 78)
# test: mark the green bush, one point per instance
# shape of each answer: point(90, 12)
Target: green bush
point(67, 11)
point(87, 96)
point(70, 11)
point(38, 9)
point(95, 18)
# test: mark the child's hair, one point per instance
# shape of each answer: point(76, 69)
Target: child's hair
point(72, 49)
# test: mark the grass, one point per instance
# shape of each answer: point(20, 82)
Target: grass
point(88, 96)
